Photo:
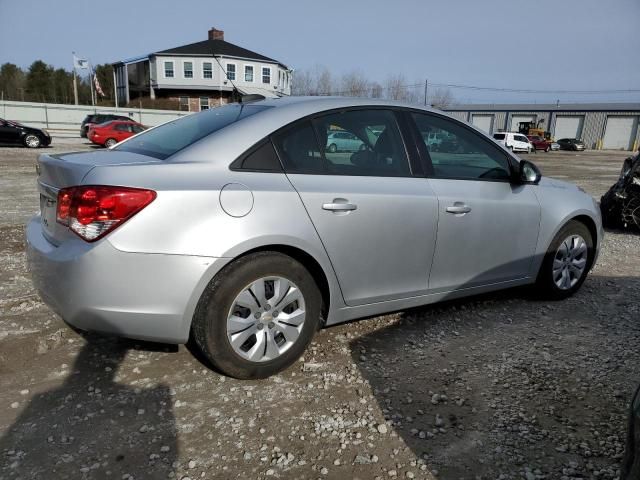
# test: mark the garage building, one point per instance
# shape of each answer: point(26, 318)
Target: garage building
point(609, 126)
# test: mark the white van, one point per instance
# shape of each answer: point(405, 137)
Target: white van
point(516, 142)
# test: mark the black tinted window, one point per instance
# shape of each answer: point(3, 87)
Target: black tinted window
point(457, 152)
point(262, 158)
point(167, 139)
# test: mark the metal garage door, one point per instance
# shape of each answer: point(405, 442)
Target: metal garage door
point(568, 127)
point(620, 132)
point(516, 119)
point(483, 122)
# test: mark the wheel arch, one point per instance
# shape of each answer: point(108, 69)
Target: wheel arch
point(307, 261)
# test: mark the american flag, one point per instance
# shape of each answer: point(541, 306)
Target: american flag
point(97, 84)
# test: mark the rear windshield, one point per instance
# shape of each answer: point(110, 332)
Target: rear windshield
point(170, 138)
point(498, 136)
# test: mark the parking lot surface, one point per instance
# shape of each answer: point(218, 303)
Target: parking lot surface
point(500, 386)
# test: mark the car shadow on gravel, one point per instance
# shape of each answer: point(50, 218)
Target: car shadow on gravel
point(94, 425)
point(502, 382)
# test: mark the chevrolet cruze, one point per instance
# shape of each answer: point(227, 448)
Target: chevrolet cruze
point(239, 229)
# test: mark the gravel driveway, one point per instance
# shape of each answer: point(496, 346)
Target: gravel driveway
point(501, 386)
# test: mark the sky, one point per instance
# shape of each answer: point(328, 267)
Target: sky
point(552, 45)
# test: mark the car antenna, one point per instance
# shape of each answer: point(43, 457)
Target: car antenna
point(243, 98)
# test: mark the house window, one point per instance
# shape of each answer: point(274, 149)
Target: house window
point(248, 73)
point(207, 70)
point(204, 103)
point(231, 71)
point(184, 104)
point(168, 69)
point(266, 75)
point(188, 69)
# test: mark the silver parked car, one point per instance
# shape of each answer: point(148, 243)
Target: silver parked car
point(238, 228)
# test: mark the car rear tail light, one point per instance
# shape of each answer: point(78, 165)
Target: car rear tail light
point(93, 211)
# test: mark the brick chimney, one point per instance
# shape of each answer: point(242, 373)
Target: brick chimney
point(215, 34)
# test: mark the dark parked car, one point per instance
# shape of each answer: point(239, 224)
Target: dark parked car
point(571, 144)
point(97, 119)
point(539, 143)
point(15, 133)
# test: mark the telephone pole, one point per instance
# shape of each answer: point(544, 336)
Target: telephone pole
point(426, 88)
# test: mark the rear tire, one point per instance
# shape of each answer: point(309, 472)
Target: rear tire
point(221, 315)
point(110, 142)
point(560, 275)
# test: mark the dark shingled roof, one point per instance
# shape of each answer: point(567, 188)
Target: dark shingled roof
point(215, 47)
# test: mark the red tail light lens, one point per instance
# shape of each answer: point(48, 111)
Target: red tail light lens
point(93, 211)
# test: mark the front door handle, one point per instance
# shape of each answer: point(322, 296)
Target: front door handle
point(458, 208)
point(339, 207)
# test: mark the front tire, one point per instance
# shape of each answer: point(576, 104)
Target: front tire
point(257, 316)
point(32, 141)
point(567, 262)
point(332, 148)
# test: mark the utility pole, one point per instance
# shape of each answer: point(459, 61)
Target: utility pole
point(426, 88)
point(115, 88)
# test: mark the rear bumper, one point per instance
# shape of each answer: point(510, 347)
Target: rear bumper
point(96, 287)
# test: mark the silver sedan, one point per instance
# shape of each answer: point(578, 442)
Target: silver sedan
point(238, 227)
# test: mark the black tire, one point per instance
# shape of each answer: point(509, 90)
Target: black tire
point(545, 285)
point(209, 330)
point(110, 142)
point(32, 141)
point(332, 148)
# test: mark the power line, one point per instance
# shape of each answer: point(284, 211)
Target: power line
point(491, 89)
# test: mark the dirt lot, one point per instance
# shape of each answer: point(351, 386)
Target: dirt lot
point(500, 386)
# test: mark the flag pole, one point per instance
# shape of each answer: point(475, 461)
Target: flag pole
point(93, 102)
point(75, 82)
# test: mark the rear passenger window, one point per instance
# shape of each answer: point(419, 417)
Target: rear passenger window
point(353, 142)
point(457, 152)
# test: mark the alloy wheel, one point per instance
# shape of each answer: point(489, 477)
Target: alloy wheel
point(32, 141)
point(266, 319)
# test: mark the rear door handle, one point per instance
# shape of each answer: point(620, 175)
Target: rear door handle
point(339, 207)
point(458, 208)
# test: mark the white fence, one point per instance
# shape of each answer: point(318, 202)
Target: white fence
point(65, 120)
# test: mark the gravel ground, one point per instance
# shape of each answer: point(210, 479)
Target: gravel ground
point(500, 386)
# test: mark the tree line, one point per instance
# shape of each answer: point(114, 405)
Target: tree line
point(45, 83)
point(319, 80)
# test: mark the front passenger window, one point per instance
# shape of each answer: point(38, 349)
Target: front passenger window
point(460, 153)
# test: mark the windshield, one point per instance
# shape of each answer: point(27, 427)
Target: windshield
point(170, 138)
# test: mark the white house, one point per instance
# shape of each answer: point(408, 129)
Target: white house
point(201, 75)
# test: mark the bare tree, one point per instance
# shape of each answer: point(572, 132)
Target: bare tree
point(354, 84)
point(396, 87)
point(376, 90)
point(324, 81)
point(442, 98)
point(302, 83)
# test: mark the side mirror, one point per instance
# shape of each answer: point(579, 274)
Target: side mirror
point(528, 173)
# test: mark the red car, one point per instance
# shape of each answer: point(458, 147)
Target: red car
point(109, 133)
point(539, 143)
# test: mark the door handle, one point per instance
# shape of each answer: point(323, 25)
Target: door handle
point(458, 208)
point(339, 207)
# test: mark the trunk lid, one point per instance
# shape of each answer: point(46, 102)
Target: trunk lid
point(69, 169)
